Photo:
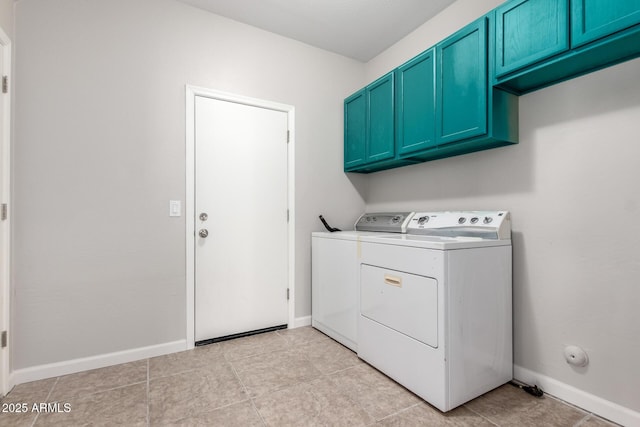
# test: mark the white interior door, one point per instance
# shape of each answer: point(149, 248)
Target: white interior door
point(241, 271)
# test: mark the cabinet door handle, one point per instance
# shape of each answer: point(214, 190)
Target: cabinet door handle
point(393, 280)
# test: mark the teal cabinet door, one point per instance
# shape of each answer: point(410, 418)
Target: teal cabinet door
point(415, 104)
point(355, 130)
point(594, 19)
point(380, 119)
point(461, 84)
point(528, 31)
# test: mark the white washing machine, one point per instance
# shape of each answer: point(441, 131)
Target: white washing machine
point(435, 305)
point(335, 278)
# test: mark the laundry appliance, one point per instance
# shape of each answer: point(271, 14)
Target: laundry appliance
point(335, 276)
point(435, 304)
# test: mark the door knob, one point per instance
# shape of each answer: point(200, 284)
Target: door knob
point(203, 233)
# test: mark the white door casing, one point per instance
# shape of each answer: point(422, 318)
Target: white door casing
point(5, 198)
point(238, 276)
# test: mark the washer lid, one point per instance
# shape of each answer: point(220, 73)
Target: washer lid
point(394, 222)
point(492, 225)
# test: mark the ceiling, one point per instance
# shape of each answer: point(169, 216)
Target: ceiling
point(359, 29)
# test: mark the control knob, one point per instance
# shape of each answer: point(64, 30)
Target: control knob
point(422, 220)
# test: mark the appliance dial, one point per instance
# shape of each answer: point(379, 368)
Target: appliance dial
point(462, 220)
point(474, 219)
point(487, 219)
point(422, 220)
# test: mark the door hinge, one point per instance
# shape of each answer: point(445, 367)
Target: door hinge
point(287, 215)
point(3, 212)
point(4, 339)
point(287, 294)
point(5, 84)
point(288, 136)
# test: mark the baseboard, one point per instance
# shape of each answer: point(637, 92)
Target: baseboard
point(589, 402)
point(301, 321)
point(51, 370)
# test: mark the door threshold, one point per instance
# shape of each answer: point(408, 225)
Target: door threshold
point(240, 335)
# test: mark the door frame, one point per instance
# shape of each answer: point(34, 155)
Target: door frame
point(191, 93)
point(5, 197)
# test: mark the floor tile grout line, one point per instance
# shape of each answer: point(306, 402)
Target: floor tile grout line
point(283, 335)
point(279, 388)
point(591, 415)
point(587, 413)
point(254, 355)
point(344, 369)
point(197, 368)
point(282, 387)
point(217, 407)
point(481, 415)
point(582, 420)
point(103, 391)
point(46, 400)
point(288, 347)
point(246, 392)
point(199, 414)
point(398, 412)
point(419, 402)
point(148, 402)
point(255, 408)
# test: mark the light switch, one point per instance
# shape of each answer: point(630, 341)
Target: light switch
point(175, 208)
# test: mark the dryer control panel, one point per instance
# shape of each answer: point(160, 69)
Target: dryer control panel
point(393, 222)
point(481, 224)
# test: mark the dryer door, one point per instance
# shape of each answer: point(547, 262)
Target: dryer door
point(404, 302)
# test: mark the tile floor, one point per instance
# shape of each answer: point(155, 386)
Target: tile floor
point(296, 377)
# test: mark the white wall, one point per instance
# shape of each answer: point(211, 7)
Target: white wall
point(98, 265)
point(572, 187)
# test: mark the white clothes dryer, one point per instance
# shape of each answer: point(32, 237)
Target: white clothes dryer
point(435, 305)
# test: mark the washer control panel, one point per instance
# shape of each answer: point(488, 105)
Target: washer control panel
point(394, 222)
point(483, 224)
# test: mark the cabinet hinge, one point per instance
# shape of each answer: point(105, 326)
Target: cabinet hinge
point(5, 84)
point(4, 339)
point(287, 294)
point(287, 215)
point(3, 212)
point(288, 136)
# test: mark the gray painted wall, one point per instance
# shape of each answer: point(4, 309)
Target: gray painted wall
point(572, 187)
point(99, 150)
point(98, 264)
point(6, 16)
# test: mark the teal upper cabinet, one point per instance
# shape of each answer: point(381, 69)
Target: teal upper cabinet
point(443, 105)
point(380, 119)
point(471, 115)
point(528, 31)
point(369, 125)
point(461, 84)
point(530, 40)
point(594, 19)
point(415, 104)
point(355, 130)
